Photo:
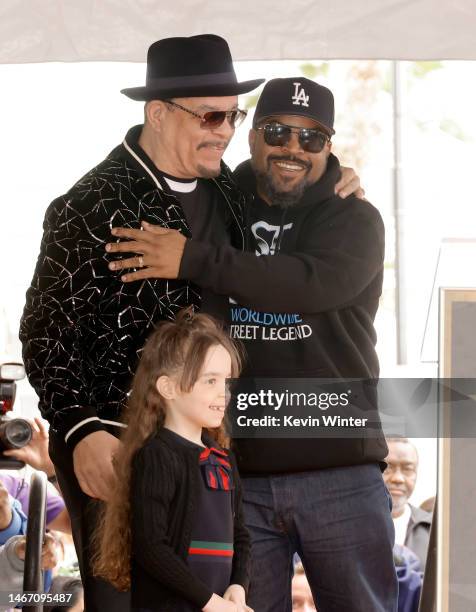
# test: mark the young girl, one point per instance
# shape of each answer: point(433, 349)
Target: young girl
point(173, 531)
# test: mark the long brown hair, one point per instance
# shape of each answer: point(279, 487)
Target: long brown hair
point(174, 348)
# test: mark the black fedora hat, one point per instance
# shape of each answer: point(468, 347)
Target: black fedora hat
point(194, 66)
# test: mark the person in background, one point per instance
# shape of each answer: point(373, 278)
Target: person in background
point(35, 454)
point(301, 591)
point(410, 578)
point(12, 563)
point(12, 517)
point(412, 524)
point(429, 504)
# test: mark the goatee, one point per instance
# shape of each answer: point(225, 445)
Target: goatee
point(271, 190)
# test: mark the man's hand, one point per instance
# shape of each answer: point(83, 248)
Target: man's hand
point(5, 508)
point(93, 463)
point(236, 594)
point(219, 604)
point(35, 453)
point(49, 556)
point(349, 183)
point(159, 249)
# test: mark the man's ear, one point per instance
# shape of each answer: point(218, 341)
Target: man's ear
point(166, 387)
point(154, 112)
point(252, 139)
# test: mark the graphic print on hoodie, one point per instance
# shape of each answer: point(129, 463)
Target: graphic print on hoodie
point(341, 246)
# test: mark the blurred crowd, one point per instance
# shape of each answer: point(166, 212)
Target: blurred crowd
point(58, 560)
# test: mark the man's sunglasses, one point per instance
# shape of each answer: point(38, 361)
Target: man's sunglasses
point(213, 119)
point(279, 134)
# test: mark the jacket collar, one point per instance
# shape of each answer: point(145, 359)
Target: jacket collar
point(135, 156)
point(139, 158)
point(146, 166)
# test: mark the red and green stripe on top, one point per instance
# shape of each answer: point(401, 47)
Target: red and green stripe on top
point(210, 549)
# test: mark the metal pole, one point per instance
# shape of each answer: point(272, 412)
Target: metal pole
point(398, 208)
point(35, 533)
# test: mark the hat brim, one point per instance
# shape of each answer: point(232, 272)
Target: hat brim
point(143, 94)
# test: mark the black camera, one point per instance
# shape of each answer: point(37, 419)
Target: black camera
point(14, 432)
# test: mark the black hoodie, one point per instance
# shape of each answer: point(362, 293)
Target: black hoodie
point(307, 312)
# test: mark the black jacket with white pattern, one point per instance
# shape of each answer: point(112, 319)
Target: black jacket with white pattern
point(82, 328)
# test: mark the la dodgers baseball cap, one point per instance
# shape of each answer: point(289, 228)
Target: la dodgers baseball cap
point(296, 96)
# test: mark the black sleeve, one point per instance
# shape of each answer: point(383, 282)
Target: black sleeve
point(333, 265)
point(240, 573)
point(60, 303)
point(152, 493)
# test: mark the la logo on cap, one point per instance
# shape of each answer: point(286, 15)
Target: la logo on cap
point(300, 97)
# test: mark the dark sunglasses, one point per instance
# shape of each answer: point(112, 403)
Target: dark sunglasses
point(213, 119)
point(279, 134)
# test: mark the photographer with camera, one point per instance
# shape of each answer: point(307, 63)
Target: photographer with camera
point(35, 454)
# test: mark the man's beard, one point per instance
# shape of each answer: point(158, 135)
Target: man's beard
point(208, 173)
point(204, 171)
point(270, 189)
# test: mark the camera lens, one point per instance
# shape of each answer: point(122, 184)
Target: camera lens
point(14, 433)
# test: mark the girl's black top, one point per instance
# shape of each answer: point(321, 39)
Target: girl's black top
point(165, 494)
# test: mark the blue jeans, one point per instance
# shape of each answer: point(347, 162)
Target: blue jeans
point(339, 522)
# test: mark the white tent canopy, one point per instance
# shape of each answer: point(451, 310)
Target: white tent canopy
point(121, 30)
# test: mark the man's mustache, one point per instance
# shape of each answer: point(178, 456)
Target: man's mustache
point(213, 143)
point(290, 158)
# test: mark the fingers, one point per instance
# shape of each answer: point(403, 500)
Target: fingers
point(92, 462)
point(131, 262)
point(20, 547)
point(97, 486)
point(348, 188)
point(131, 246)
point(16, 453)
point(40, 423)
point(85, 487)
point(48, 552)
point(134, 234)
point(156, 229)
point(97, 483)
point(146, 234)
point(150, 272)
point(360, 193)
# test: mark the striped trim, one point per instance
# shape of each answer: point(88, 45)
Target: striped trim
point(211, 549)
point(138, 159)
point(210, 553)
point(113, 423)
point(78, 425)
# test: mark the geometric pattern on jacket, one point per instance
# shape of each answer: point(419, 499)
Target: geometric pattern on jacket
point(82, 328)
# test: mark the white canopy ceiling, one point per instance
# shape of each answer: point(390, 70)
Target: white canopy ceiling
point(121, 30)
